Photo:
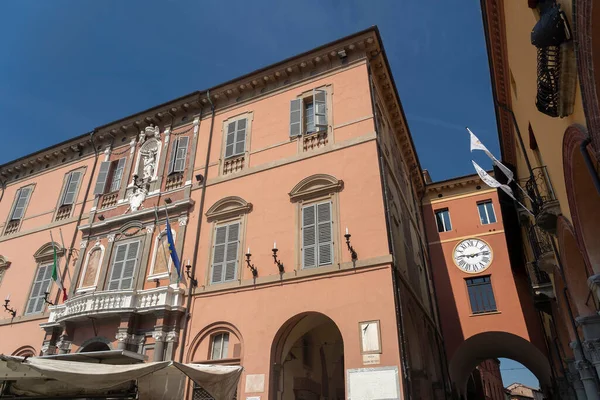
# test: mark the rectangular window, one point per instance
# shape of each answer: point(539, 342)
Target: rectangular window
point(486, 212)
point(309, 114)
point(317, 235)
point(235, 143)
point(442, 218)
point(41, 285)
point(481, 295)
point(117, 174)
point(220, 344)
point(123, 268)
point(21, 200)
point(73, 179)
point(225, 253)
point(178, 155)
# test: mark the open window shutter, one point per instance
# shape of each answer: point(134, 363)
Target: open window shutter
point(117, 175)
point(231, 256)
point(22, 199)
point(129, 266)
point(71, 188)
point(36, 290)
point(102, 178)
point(325, 250)
point(240, 137)
point(182, 145)
point(309, 250)
point(320, 109)
point(117, 269)
point(230, 140)
point(296, 117)
point(219, 254)
point(173, 156)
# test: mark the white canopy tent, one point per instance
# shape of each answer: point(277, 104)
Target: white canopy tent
point(164, 380)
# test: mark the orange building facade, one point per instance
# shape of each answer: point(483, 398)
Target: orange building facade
point(485, 305)
point(292, 195)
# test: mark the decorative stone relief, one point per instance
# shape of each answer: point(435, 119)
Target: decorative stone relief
point(182, 220)
point(83, 244)
point(173, 336)
point(122, 337)
point(48, 348)
point(111, 237)
point(159, 336)
point(63, 344)
point(150, 229)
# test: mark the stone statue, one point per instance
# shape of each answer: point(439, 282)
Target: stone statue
point(149, 165)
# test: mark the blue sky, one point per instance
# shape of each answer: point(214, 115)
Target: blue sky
point(70, 66)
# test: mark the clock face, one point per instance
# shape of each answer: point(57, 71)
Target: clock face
point(472, 255)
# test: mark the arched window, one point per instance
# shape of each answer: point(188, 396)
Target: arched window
point(42, 278)
point(161, 259)
point(91, 269)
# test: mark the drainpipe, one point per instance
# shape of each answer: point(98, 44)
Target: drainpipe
point(588, 163)
point(85, 198)
point(397, 302)
point(198, 228)
point(3, 187)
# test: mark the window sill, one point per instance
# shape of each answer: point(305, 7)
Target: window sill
point(159, 276)
point(485, 313)
point(85, 290)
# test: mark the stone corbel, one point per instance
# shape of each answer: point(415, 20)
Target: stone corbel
point(48, 348)
point(64, 345)
point(173, 336)
point(122, 337)
point(159, 336)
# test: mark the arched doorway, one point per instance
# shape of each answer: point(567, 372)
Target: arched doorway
point(583, 198)
point(493, 345)
point(308, 359)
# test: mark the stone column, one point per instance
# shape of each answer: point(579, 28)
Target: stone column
point(590, 325)
point(576, 381)
point(594, 284)
point(172, 339)
point(51, 335)
point(563, 385)
point(124, 331)
point(587, 373)
point(159, 344)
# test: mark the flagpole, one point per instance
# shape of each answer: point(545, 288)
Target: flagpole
point(64, 249)
point(50, 284)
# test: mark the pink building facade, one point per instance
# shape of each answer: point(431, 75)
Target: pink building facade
point(312, 157)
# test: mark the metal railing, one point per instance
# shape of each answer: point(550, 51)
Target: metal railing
point(538, 188)
point(540, 241)
point(537, 276)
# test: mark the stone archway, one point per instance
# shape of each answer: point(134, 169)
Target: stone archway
point(584, 200)
point(307, 358)
point(495, 344)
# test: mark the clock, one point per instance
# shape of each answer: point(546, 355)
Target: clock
point(472, 255)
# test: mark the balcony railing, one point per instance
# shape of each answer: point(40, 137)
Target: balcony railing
point(63, 212)
point(542, 198)
point(115, 302)
point(174, 181)
point(12, 226)
point(541, 246)
point(109, 199)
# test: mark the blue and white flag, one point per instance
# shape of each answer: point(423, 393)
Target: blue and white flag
point(172, 250)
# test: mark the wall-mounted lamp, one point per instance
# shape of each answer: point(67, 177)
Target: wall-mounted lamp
point(278, 262)
point(199, 178)
point(46, 299)
point(251, 266)
point(11, 311)
point(350, 248)
point(168, 200)
point(192, 279)
point(101, 217)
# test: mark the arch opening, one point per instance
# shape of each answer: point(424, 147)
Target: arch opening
point(307, 357)
point(95, 346)
point(494, 345)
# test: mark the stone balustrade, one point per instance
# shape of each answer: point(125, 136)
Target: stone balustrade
point(115, 302)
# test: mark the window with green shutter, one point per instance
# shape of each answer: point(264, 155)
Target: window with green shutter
point(317, 235)
point(225, 253)
point(41, 285)
point(123, 266)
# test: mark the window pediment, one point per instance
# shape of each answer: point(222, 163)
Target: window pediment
point(315, 186)
point(228, 207)
point(46, 252)
point(4, 263)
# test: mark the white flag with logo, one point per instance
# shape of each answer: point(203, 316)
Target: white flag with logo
point(477, 145)
point(491, 181)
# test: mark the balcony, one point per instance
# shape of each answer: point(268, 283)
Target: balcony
point(542, 198)
point(540, 281)
point(543, 251)
point(116, 302)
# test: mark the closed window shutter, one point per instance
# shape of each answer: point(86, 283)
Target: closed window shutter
point(22, 199)
point(182, 145)
point(230, 140)
point(296, 117)
point(173, 156)
point(231, 256)
point(320, 109)
point(219, 254)
point(71, 188)
point(117, 175)
point(41, 284)
point(124, 264)
point(102, 178)
point(240, 137)
point(325, 237)
point(309, 250)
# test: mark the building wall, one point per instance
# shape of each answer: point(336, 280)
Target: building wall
point(491, 379)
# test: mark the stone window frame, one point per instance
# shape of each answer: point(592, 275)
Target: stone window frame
point(249, 116)
point(14, 203)
point(223, 212)
point(211, 346)
point(155, 253)
point(310, 190)
point(81, 169)
point(97, 246)
point(308, 94)
point(44, 256)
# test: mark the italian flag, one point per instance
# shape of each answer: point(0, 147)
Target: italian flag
point(55, 276)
